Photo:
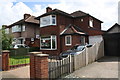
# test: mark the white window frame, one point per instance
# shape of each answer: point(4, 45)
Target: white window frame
point(50, 22)
point(51, 43)
point(70, 40)
point(91, 22)
point(23, 28)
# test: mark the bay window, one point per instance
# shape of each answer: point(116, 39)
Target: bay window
point(48, 20)
point(48, 42)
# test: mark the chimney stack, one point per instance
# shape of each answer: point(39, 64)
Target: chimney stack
point(48, 9)
point(26, 16)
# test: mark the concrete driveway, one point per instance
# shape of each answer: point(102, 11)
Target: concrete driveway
point(106, 67)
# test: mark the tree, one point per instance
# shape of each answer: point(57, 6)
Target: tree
point(6, 39)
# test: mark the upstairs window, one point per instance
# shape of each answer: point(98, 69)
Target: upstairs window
point(91, 23)
point(48, 20)
point(23, 27)
point(16, 28)
point(68, 40)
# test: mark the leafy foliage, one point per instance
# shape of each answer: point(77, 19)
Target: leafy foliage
point(6, 39)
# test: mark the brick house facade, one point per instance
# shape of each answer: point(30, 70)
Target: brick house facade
point(25, 31)
point(60, 31)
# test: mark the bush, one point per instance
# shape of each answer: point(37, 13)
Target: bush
point(19, 52)
point(32, 49)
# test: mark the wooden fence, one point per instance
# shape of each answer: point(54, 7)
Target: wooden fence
point(89, 55)
point(59, 68)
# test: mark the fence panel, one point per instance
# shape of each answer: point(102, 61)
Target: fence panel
point(80, 60)
point(59, 68)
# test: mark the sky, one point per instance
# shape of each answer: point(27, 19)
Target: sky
point(105, 10)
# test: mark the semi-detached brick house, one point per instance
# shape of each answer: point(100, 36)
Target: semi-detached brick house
point(59, 31)
point(25, 31)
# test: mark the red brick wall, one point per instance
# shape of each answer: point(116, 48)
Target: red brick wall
point(85, 24)
point(35, 43)
point(64, 20)
point(31, 30)
point(38, 66)
point(5, 60)
point(75, 40)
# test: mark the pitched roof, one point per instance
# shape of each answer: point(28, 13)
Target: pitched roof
point(93, 31)
point(30, 19)
point(78, 13)
point(115, 25)
point(55, 11)
point(72, 29)
point(72, 15)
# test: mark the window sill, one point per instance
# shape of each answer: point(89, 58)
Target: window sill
point(49, 49)
point(68, 44)
point(48, 25)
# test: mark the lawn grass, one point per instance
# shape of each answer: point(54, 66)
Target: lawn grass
point(16, 60)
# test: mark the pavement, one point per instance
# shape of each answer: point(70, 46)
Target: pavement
point(106, 67)
point(21, 72)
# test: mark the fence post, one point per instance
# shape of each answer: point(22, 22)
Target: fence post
point(38, 65)
point(5, 60)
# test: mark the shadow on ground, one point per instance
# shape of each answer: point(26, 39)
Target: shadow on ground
point(109, 59)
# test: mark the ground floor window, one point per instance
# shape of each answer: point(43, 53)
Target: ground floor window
point(48, 42)
point(68, 40)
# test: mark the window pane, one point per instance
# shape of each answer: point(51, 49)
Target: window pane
point(23, 27)
point(44, 21)
point(68, 40)
point(46, 43)
point(53, 19)
point(91, 23)
point(53, 44)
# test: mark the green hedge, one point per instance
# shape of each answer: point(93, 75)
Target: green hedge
point(19, 51)
point(32, 49)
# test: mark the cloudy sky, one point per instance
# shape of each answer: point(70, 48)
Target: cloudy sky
point(105, 10)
